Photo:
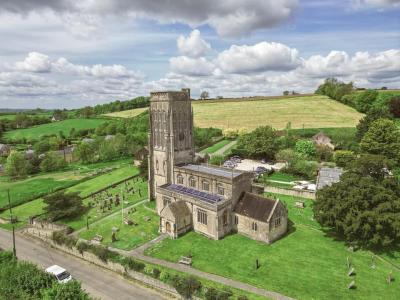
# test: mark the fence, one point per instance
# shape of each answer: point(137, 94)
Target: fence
point(302, 194)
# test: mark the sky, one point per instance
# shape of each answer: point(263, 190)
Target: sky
point(69, 54)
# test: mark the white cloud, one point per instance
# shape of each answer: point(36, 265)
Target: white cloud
point(34, 62)
point(191, 66)
point(258, 58)
point(376, 3)
point(228, 17)
point(193, 45)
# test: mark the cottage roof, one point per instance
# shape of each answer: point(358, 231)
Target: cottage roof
point(175, 210)
point(255, 206)
point(212, 170)
point(320, 135)
point(328, 176)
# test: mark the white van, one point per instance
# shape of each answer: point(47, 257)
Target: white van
point(61, 274)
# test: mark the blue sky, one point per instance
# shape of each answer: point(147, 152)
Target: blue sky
point(55, 53)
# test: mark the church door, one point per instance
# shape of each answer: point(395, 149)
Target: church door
point(168, 227)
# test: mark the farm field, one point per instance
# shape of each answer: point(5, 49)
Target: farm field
point(128, 236)
point(34, 133)
point(127, 113)
point(306, 264)
point(307, 112)
point(311, 111)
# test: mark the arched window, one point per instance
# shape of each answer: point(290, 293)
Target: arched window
point(157, 166)
point(179, 179)
point(205, 185)
point(192, 182)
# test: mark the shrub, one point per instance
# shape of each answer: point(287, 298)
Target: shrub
point(67, 291)
point(135, 265)
point(217, 160)
point(344, 158)
point(305, 148)
point(156, 273)
point(394, 106)
point(103, 253)
point(242, 297)
point(82, 247)
point(186, 286)
point(211, 294)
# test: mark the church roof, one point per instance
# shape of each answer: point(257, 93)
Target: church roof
point(212, 170)
point(255, 206)
point(203, 196)
point(175, 210)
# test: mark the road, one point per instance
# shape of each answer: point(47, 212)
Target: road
point(100, 283)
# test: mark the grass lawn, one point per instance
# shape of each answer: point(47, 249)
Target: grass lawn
point(36, 186)
point(127, 113)
point(34, 133)
point(215, 147)
point(128, 236)
point(308, 112)
point(306, 264)
point(279, 176)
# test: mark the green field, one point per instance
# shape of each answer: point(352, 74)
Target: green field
point(85, 188)
point(127, 113)
point(215, 147)
point(128, 236)
point(34, 133)
point(306, 264)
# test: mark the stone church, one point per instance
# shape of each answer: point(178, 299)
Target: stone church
point(210, 200)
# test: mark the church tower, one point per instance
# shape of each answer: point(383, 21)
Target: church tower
point(171, 139)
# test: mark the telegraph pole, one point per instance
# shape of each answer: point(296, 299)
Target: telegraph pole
point(12, 222)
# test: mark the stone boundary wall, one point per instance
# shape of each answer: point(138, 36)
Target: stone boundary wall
point(47, 225)
point(116, 267)
point(303, 194)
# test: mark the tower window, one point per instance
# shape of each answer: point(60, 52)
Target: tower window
point(254, 226)
point(236, 220)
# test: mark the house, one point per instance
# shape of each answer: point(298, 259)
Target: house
point(5, 150)
point(210, 200)
point(321, 139)
point(67, 153)
point(328, 176)
point(56, 118)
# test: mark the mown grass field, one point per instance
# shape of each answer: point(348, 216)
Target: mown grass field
point(313, 111)
point(307, 112)
point(306, 264)
point(215, 147)
point(34, 133)
point(127, 113)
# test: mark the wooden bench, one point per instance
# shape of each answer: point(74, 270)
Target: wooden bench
point(185, 261)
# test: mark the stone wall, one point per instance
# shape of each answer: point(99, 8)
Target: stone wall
point(245, 227)
point(302, 194)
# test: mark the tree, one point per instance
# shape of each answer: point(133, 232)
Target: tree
point(144, 168)
point(344, 158)
point(186, 286)
point(61, 205)
point(372, 115)
point(66, 291)
point(17, 165)
point(87, 152)
point(52, 162)
point(285, 93)
point(394, 106)
point(383, 137)
point(365, 100)
point(204, 95)
point(363, 207)
point(260, 143)
point(305, 148)
point(334, 88)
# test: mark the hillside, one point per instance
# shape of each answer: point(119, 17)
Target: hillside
point(310, 111)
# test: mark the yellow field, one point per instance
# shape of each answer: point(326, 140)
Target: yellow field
point(308, 111)
point(127, 113)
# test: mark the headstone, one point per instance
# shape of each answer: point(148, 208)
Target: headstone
point(113, 237)
point(348, 263)
point(352, 285)
point(373, 266)
point(351, 272)
point(390, 277)
point(147, 219)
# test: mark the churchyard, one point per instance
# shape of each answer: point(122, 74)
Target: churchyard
point(318, 263)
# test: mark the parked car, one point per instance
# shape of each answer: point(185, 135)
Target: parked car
point(229, 164)
point(236, 159)
point(261, 170)
point(59, 273)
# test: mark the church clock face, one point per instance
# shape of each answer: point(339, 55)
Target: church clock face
point(181, 136)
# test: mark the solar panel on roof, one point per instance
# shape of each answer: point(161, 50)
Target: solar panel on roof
point(210, 198)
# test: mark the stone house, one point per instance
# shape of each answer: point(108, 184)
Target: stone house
point(5, 150)
point(210, 200)
point(321, 139)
